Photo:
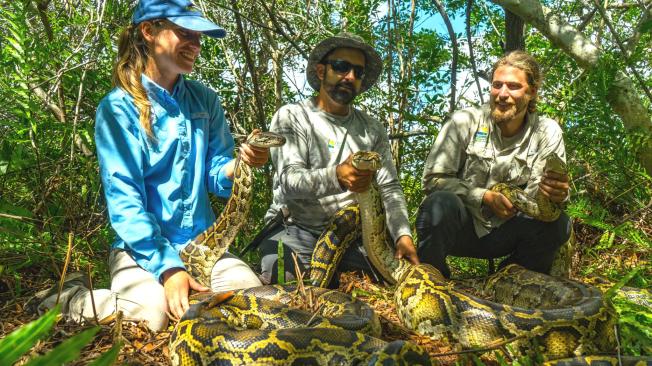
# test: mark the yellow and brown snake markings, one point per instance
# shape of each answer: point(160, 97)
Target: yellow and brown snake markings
point(257, 327)
point(533, 312)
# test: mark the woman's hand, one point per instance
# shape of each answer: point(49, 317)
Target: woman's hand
point(253, 155)
point(177, 284)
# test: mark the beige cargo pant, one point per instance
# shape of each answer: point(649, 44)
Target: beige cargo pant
point(139, 296)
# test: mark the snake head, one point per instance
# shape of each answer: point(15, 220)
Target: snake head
point(366, 160)
point(265, 139)
point(555, 164)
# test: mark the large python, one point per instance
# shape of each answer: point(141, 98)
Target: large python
point(251, 327)
point(256, 327)
point(202, 252)
point(537, 313)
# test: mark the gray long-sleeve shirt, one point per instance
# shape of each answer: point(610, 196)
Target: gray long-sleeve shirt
point(470, 155)
point(305, 180)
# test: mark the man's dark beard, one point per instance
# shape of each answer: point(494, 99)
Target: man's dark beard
point(342, 93)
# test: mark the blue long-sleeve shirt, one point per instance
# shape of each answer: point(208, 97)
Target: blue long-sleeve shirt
point(157, 190)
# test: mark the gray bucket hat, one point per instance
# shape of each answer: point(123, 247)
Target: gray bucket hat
point(373, 66)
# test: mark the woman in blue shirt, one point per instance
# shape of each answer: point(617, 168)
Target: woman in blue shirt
point(163, 144)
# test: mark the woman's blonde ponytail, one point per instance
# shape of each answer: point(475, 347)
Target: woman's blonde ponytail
point(132, 60)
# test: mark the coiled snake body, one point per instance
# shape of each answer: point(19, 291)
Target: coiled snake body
point(531, 311)
point(201, 253)
point(256, 327)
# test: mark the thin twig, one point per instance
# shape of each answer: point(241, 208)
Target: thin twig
point(480, 350)
point(20, 218)
point(90, 284)
point(402, 135)
point(314, 315)
point(618, 349)
point(60, 73)
point(451, 33)
point(117, 328)
point(299, 276)
point(279, 30)
point(474, 68)
point(65, 267)
point(635, 213)
point(491, 21)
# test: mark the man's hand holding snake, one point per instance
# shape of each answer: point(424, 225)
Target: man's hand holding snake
point(498, 204)
point(405, 249)
point(555, 186)
point(351, 178)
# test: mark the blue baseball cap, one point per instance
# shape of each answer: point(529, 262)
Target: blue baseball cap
point(180, 12)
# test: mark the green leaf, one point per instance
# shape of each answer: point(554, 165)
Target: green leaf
point(108, 357)
point(612, 291)
point(359, 292)
point(16, 46)
point(66, 351)
point(477, 361)
point(21, 340)
point(646, 26)
point(280, 263)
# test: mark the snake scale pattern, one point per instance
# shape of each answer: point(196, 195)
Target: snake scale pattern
point(201, 253)
point(256, 327)
point(538, 207)
point(532, 312)
point(558, 318)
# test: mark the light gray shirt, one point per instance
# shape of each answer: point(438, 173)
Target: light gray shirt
point(305, 180)
point(470, 155)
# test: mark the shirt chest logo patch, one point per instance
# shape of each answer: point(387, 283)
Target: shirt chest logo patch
point(481, 135)
point(331, 144)
point(199, 115)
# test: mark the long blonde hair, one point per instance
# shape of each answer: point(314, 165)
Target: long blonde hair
point(133, 54)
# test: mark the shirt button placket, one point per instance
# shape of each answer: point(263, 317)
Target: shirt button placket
point(186, 184)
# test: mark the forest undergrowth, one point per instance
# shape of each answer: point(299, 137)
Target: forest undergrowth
point(599, 254)
point(56, 59)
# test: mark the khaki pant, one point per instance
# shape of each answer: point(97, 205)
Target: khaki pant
point(139, 296)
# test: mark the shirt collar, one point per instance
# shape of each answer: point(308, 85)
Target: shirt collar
point(168, 101)
point(330, 117)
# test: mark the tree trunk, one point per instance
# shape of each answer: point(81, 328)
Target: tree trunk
point(514, 39)
point(622, 97)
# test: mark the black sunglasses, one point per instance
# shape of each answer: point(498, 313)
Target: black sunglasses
point(343, 67)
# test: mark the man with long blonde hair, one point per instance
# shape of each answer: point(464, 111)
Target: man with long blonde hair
point(506, 141)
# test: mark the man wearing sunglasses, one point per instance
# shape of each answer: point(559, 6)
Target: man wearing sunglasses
point(314, 177)
point(505, 141)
